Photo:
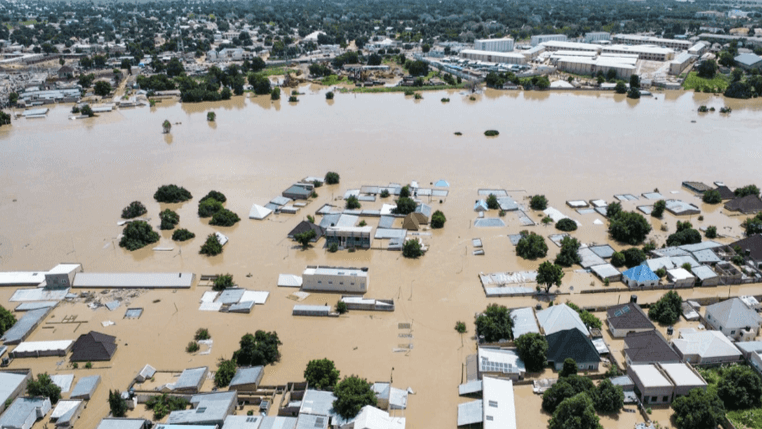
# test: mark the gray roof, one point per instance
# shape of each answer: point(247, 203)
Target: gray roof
point(280, 201)
point(469, 388)
point(347, 220)
point(588, 258)
point(733, 313)
point(318, 402)
point(424, 209)
point(24, 326)
point(230, 296)
point(248, 375)
point(604, 250)
point(388, 233)
point(28, 306)
point(85, 387)
point(524, 322)
point(119, 423)
point(489, 222)
point(191, 378)
point(16, 415)
point(9, 381)
point(382, 389)
point(706, 256)
point(703, 272)
point(241, 307)
point(628, 316)
point(242, 422)
point(210, 407)
point(386, 222)
point(330, 220)
point(278, 423)
point(507, 203)
point(310, 421)
point(470, 413)
point(747, 347)
point(748, 59)
point(623, 380)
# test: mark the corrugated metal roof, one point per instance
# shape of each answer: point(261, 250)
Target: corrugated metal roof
point(24, 326)
point(134, 280)
point(470, 413)
point(85, 387)
point(248, 375)
point(191, 378)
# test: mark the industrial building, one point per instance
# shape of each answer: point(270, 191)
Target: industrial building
point(596, 36)
point(622, 66)
point(644, 52)
point(335, 279)
point(542, 38)
point(494, 45)
point(554, 45)
point(533, 53)
point(631, 39)
point(493, 57)
point(699, 49)
point(681, 61)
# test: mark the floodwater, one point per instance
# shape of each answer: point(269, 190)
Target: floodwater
point(63, 184)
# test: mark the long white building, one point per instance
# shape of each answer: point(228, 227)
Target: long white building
point(644, 52)
point(494, 45)
point(542, 38)
point(596, 36)
point(335, 279)
point(494, 57)
point(623, 66)
point(553, 46)
point(631, 39)
point(680, 62)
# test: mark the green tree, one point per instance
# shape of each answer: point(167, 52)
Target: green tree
point(172, 194)
point(405, 206)
point(438, 220)
point(305, 238)
point(224, 217)
point(164, 404)
point(352, 393)
point(712, 196)
point(700, 409)
point(531, 246)
point(549, 275)
point(102, 88)
point(587, 318)
point(135, 209)
point(214, 195)
point(169, 219)
point(208, 207)
point(659, 208)
point(608, 398)
point(629, 227)
point(260, 83)
point(533, 350)
point(7, 320)
point(226, 370)
point(321, 374)
point(222, 282)
point(633, 93)
point(211, 246)
point(85, 80)
point(258, 349)
point(634, 81)
point(740, 388)
point(620, 87)
point(353, 203)
point(747, 190)
point(116, 403)
point(727, 59)
point(569, 368)
point(494, 324)
point(331, 178)
point(86, 110)
point(617, 259)
point(566, 224)
point(418, 68)
point(685, 234)
point(13, 98)
point(44, 386)
point(711, 232)
point(138, 234)
point(182, 234)
point(565, 388)
point(460, 327)
point(633, 257)
point(740, 90)
point(707, 69)
point(492, 203)
point(275, 94)
point(341, 307)
point(667, 309)
point(538, 202)
point(569, 254)
point(576, 412)
point(175, 68)
point(329, 95)
point(412, 249)
point(202, 334)
point(211, 116)
point(405, 192)
point(613, 210)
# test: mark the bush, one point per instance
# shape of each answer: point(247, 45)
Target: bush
point(293, 99)
point(214, 195)
point(224, 217)
point(116, 403)
point(333, 248)
point(226, 370)
point(7, 320)
point(43, 386)
point(329, 95)
point(353, 203)
point(192, 347)
point(633, 257)
point(565, 388)
point(629, 227)
point(222, 282)
point(747, 190)
point(460, 327)
point(321, 374)
point(438, 220)
point(494, 324)
point(532, 246)
point(258, 349)
point(667, 309)
point(169, 219)
point(575, 412)
point(202, 334)
point(633, 93)
point(182, 234)
point(659, 208)
point(685, 234)
point(331, 178)
point(135, 209)
point(417, 96)
point(211, 116)
point(700, 409)
point(341, 307)
point(740, 90)
point(569, 254)
point(412, 249)
point(711, 232)
point(740, 388)
point(164, 404)
point(275, 94)
point(569, 368)
point(491, 133)
point(137, 235)
point(172, 194)
point(353, 393)
point(384, 193)
point(405, 206)
point(211, 247)
point(712, 197)
point(566, 224)
point(538, 202)
point(208, 207)
point(608, 398)
point(532, 349)
point(617, 259)
point(620, 87)
point(86, 110)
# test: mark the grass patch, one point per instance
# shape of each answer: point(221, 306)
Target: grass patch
point(332, 80)
point(751, 419)
point(693, 81)
point(375, 89)
point(275, 71)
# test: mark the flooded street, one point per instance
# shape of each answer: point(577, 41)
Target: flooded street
point(63, 185)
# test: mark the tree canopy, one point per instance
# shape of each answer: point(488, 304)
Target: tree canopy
point(7, 320)
point(747, 190)
point(138, 234)
point(412, 249)
point(740, 388)
point(533, 350)
point(700, 409)
point(135, 209)
point(565, 388)
point(569, 254)
point(172, 194)
point(667, 309)
point(712, 196)
point(576, 412)
point(44, 386)
point(224, 217)
point(353, 393)
point(438, 220)
point(226, 370)
point(685, 234)
point(211, 246)
point(321, 374)
point(331, 178)
point(608, 398)
point(538, 202)
point(405, 205)
point(494, 324)
point(569, 368)
point(629, 227)
point(116, 403)
point(549, 275)
point(659, 208)
point(169, 219)
point(531, 246)
point(258, 349)
point(566, 224)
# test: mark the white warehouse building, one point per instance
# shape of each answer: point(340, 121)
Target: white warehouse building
point(554, 46)
point(494, 57)
point(680, 62)
point(644, 52)
point(335, 279)
point(631, 39)
point(494, 45)
point(596, 36)
point(542, 38)
point(624, 67)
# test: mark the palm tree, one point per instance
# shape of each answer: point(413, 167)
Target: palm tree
point(167, 126)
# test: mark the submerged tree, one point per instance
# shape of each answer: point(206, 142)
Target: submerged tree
point(166, 126)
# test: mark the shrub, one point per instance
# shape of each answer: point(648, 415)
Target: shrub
point(460, 327)
point(182, 234)
point(341, 307)
point(172, 194)
point(532, 246)
point(89, 365)
point(329, 95)
point(712, 197)
point(617, 259)
point(445, 100)
point(116, 403)
point(491, 133)
point(532, 349)
point(169, 219)
point(492, 202)
point(667, 309)
point(353, 393)
point(438, 220)
point(333, 248)
point(43, 386)
point(226, 370)
point(711, 232)
point(566, 224)
point(629, 227)
point(214, 195)
point(222, 282)
point(275, 94)
point(137, 235)
point(192, 347)
point(332, 178)
point(86, 110)
point(164, 404)
point(208, 207)
point(353, 203)
point(224, 217)
point(258, 349)
point(202, 334)
point(659, 208)
point(538, 202)
point(417, 96)
point(211, 116)
point(412, 249)
point(547, 220)
point(405, 206)
point(293, 99)
point(384, 193)
point(321, 374)
point(211, 247)
point(135, 209)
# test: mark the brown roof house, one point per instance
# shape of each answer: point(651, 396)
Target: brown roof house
point(93, 346)
point(751, 248)
point(65, 72)
point(647, 348)
point(305, 226)
point(725, 193)
point(626, 319)
point(748, 205)
point(411, 223)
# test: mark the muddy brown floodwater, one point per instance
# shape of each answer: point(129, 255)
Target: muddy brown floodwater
point(63, 184)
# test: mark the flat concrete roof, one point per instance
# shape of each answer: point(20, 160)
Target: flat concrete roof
point(134, 280)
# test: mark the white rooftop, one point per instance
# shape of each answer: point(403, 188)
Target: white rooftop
point(40, 346)
point(680, 274)
point(559, 318)
point(334, 271)
point(498, 404)
point(682, 375)
point(650, 376)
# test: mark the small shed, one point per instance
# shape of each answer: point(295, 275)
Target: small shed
point(258, 212)
point(85, 387)
point(247, 379)
point(411, 223)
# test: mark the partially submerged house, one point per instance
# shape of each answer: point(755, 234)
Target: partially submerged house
point(640, 276)
point(92, 347)
point(12, 384)
point(524, 322)
point(706, 347)
point(371, 417)
point(305, 226)
point(734, 319)
point(648, 347)
point(335, 279)
point(626, 319)
point(191, 380)
point(572, 343)
point(66, 413)
point(23, 412)
point(560, 317)
point(347, 237)
point(496, 409)
point(411, 223)
point(85, 387)
point(208, 409)
point(663, 383)
point(749, 204)
point(500, 362)
point(751, 248)
point(123, 423)
point(299, 191)
point(247, 379)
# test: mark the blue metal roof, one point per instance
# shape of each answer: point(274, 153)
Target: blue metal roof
point(641, 273)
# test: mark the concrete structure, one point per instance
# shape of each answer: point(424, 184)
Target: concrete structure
point(500, 363)
point(560, 317)
point(312, 310)
point(349, 236)
point(596, 36)
point(493, 57)
point(247, 379)
point(134, 280)
point(494, 45)
point(62, 276)
point(23, 412)
point(191, 380)
point(533, 53)
point(631, 39)
point(680, 62)
point(734, 319)
point(699, 49)
point(681, 277)
point(554, 46)
point(208, 409)
point(705, 275)
point(497, 409)
point(335, 279)
point(644, 52)
point(705, 348)
point(66, 413)
point(626, 319)
point(606, 272)
point(683, 377)
point(12, 384)
point(623, 67)
point(85, 387)
point(651, 385)
point(542, 38)
point(42, 348)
